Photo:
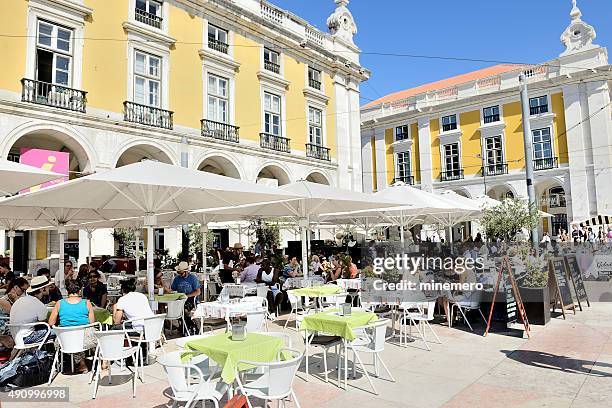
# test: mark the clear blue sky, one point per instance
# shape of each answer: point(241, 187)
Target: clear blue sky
point(521, 31)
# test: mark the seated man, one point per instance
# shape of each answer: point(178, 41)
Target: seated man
point(6, 276)
point(292, 269)
point(188, 284)
point(96, 291)
point(30, 309)
point(249, 274)
point(54, 292)
point(132, 305)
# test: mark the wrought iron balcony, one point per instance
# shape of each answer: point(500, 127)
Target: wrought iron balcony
point(220, 131)
point(450, 175)
point(313, 83)
point(317, 152)
point(147, 18)
point(217, 45)
point(449, 126)
point(556, 201)
point(494, 169)
point(536, 110)
point(147, 115)
point(545, 164)
point(274, 142)
point(57, 96)
point(491, 118)
point(404, 179)
point(271, 66)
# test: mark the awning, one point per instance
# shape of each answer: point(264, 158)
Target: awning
point(597, 220)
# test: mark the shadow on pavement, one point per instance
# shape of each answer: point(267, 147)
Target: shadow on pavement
point(559, 363)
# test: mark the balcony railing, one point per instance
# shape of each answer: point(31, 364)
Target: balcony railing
point(57, 96)
point(217, 45)
point(450, 175)
point(147, 115)
point(271, 66)
point(274, 142)
point(220, 131)
point(147, 18)
point(317, 152)
point(404, 179)
point(494, 169)
point(491, 118)
point(313, 83)
point(449, 126)
point(556, 201)
point(536, 110)
point(546, 163)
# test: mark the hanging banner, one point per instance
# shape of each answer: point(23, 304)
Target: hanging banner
point(57, 162)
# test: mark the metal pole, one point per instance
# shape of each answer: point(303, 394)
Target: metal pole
point(185, 228)
point(204, 230)
point(89, 236)
point(137, 251)
point(11, 235)
point(528, 151)
point(150, 221)
point(61, 229)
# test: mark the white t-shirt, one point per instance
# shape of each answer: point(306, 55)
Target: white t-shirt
point(28, 309)
point(135, 305)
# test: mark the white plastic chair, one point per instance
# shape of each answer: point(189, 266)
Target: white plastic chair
point(276, 382)
point(201, 360)
point(151, 330)
point(175, 310)
point(334, 300)
point(422, 317)
point(71, 341)
point(256, 320)
point(111, 348)
point(296, 304)
point(325, 342)
point(19, 332)
point(371, 340)
point(260, 301)
point(467, 301)
point(179, 376)
point(286, 338)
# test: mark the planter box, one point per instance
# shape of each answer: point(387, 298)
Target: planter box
point(537, 304)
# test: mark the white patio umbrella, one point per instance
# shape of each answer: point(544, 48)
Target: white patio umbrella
point(148, 188)
point(316, 201)
point(16, 176)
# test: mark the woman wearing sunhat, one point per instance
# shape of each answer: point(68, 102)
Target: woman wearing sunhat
point(30, 309)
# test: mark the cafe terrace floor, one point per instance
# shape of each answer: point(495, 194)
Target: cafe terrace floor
point(566, 364)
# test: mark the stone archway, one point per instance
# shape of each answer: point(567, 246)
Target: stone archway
point(144, 151)
point(274, 175)
point(219, 165)
point(318, 177)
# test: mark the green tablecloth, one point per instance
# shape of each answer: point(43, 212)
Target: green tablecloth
point(318, 291)
point(331, 323)
point(227, 352)
point(169, 297)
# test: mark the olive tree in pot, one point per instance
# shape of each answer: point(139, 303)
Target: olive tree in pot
point(533, 286)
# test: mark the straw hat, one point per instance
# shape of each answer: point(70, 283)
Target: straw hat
point(38, 282)
point(182, 266)
point(237, 245)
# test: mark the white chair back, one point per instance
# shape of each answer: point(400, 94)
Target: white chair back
point(258, 300)
point(293, 299)
point(71, 339)
point(431, 307)
point(20, 331)
point(286, 338)
point(153, 327)
point(111, 344)
point(262, 291)
point(175, 309)
point(177, 372)
point(277, 380)
point(379, 335)
point(255, 320)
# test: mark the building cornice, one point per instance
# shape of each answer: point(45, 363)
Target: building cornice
point(316, 95)
point(69, 6)
point(221, 59)
point(141, 29)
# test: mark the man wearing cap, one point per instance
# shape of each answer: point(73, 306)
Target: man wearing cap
point(188, 284)
point(237, 253)
point(30, 309)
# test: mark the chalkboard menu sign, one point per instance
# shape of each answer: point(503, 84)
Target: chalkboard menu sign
point(558, 276)
point(575, 275)
point(515, 310)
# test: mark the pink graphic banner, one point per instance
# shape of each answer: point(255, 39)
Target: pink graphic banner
point(57, 162)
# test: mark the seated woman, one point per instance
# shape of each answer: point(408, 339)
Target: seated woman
point(16, 289)
point(96, 291)
point(336, 270)
point(75, 311)
point(268, 275)
point(159, 283)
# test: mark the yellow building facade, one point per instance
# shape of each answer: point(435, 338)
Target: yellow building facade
point(240, 88)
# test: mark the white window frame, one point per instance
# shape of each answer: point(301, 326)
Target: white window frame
point(486, 151)
point(320, 125)
point(165, 13)
point(552, 142)
point(310, 67)
point(408, 153)
point(148, 78)
point(136, 43)
point(226, 98)
point(457, 129)
point(548, 104)
point(443, 151)
point(395, 139)
point(280, 114)
point(280, 60)
point(56, 51)
point(217, 30)
point(69, 20)
point(499, 113)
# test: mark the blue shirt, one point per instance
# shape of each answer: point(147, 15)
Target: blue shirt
point(73, 314)
point(185, 285)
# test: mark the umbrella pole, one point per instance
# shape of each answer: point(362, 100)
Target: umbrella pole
point(204, 230)
point(89, 251)
point(402, 230)
point(303, 222)
point(61, 278)
point(11, 236)
point(137, 251)
point(150, 221)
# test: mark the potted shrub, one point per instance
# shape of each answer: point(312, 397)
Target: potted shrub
point(533, 287)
